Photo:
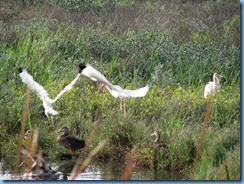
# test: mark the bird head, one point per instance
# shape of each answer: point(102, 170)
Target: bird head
point(216, 77)
point(82, 66)
point(20, 70)
point(63, 129)
point(27, 133)
point(156, 134)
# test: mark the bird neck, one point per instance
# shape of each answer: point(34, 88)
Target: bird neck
point(157, 139)
point(65, 134)
point(216, 80)
point(61, 137)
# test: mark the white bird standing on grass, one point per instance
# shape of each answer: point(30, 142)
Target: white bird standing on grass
point(42, 93)
point(213, 86)
point(115, 90)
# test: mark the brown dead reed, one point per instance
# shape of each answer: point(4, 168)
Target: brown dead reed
point(203, 130)
point(224, 169)
point(31, 146)
point(130, 165)
point(80, 167)
point(22, 131)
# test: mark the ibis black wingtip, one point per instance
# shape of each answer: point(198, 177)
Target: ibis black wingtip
point(20, 70)
point(82, 66)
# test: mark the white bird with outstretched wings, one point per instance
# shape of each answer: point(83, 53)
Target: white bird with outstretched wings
point(42, 93)
point(115, 90)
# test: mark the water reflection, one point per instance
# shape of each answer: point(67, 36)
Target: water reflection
point(97, 170)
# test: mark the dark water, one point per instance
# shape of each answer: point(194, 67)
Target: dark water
point(97, 170)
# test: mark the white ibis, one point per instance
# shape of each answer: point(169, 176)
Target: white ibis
point(213, 86)
point(115, 90)
point(42, 93)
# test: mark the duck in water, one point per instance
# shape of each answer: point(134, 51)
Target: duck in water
point(70, 142)
point(39, 168)
point(157, 142)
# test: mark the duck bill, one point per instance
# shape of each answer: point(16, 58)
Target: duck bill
point(60, 130)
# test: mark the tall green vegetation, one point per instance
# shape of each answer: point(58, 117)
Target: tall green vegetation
point(175, 62)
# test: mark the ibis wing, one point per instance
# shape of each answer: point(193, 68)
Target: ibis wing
point(34, 86)
point(115, 91)
point(138, 92)
point(67, 88)
point(95, 75)
point(208, 89)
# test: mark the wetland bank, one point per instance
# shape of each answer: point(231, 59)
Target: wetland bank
point(172, 46)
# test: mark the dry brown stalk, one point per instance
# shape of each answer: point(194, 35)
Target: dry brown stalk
point(31, 149)
point(39, 159)
point(78, 168)
point(130, 165)
point(203, 130)
point(34, 141)
point(23, 124)
point(223, 167)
